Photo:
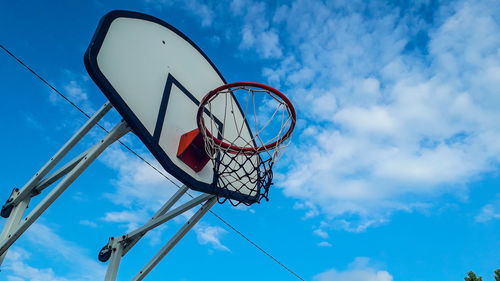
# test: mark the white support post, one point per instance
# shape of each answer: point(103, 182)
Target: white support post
point(12, 222)
point(114, 262)
point(17, 203)
point(175, 239)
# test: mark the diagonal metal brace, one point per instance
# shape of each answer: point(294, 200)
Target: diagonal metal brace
point(61, 172)
point(114, 250)
point(119, 130)
point(127, 241)
point(166, 217)
point(170, 203)
point(175, 239)
point(17, 203)
point(28, 187)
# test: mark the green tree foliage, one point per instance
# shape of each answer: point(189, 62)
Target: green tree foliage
point(497, 275)
point(471, 276)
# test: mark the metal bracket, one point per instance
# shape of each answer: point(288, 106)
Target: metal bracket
point(8, 206)
point(117, 247)
point(18, 201)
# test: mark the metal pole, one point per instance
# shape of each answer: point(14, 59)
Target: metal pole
point(12, 222)
point(61, 153)
point(61, 172)
point(17, 203)
point(117, 132)
point(166, 217)
point(175, 239)
point(169, 204)
point(114, 263)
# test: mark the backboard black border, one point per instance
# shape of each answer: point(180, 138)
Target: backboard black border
point(90, 60)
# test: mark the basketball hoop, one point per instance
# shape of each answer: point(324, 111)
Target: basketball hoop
point(243, 159)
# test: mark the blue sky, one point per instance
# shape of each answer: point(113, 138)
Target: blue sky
point(392, 174)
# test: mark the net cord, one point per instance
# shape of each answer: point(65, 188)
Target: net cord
point(244, 171)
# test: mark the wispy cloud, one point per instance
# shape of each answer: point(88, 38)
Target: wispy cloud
point(138, 188)
point(82, 267)
point(131, 219)
point(312, 211)
point(211, 235)
point(257, 32)
point(251, 22)
point(88, 223)
point(385, 126)
point(17, 268)
point(137, 184)
point(242, 207)
point(321, 233)
point(359, 269)
point(75, 87)
point(489, 212)
point(205, 12)
point(324, 244)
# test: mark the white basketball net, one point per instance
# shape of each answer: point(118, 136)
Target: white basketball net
point(254, 139)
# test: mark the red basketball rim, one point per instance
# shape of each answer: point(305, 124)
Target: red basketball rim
point(258, 149)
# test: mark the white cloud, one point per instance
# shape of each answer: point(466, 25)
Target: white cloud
point(489, 212)
point(321, 233)
point(382, 128)
point(201, 9)
point(18, 270)
point(312, 211)
point(242, 207)
point(75, 87)
point(360, 224)
point(131, 219)
point(139, 189)
point(88, 223)
point(247, 21)
point(358, 270)
point(211, 235)
point(137, 184)
point(52, 246)
point(268, 44)
point(32, 122)
point(155, 236)
point(75, 92)
point(324, 244)
point(256, 31)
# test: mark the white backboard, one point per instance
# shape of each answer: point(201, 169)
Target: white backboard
point(155, 77)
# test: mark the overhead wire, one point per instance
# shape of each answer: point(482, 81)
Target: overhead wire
point(147, 162)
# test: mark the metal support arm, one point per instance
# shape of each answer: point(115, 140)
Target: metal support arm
point(119, 246)
point(61, 172)
point(175, 239)
point(168, 216)
point(119, 130)
point(17, 203)
point(28, 187)
point(170, 203)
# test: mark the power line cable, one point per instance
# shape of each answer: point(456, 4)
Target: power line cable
point(147, 162)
